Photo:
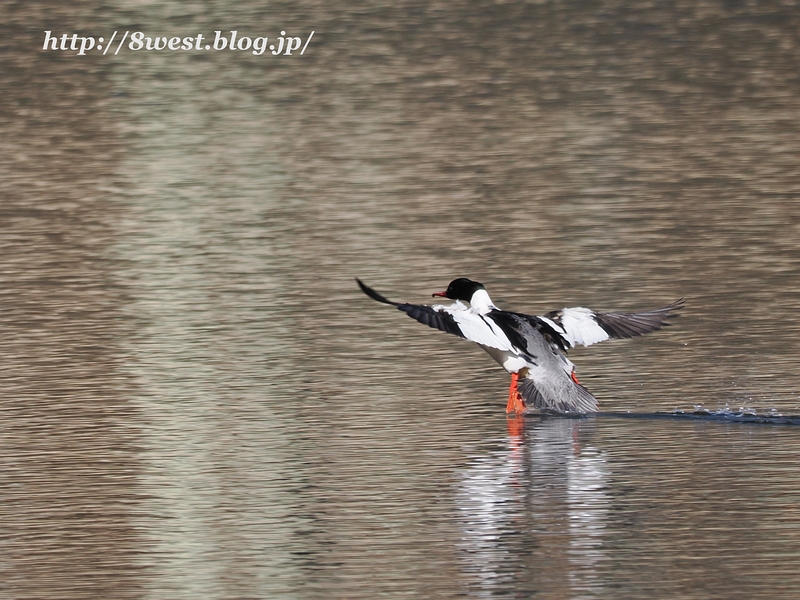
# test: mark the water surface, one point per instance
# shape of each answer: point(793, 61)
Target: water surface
point(197, 401)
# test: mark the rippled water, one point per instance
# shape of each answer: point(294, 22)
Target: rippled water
point(198, 402)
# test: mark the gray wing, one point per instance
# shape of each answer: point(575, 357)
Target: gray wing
point(586, 327)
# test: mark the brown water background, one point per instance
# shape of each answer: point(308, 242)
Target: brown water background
point(197, 402)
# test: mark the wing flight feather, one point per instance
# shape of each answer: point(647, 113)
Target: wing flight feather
point(586, 327)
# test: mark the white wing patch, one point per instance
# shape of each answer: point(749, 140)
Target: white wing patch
point(478, 329)
point(581, 328)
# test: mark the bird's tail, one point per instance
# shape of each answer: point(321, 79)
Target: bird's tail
point(566, 397)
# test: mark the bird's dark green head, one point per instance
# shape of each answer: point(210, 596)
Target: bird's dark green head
point(460, 289)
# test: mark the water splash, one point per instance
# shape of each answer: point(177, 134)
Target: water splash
point(726, 414)
point(740, 415)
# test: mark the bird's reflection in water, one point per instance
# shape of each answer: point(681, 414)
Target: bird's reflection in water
point(533, 511)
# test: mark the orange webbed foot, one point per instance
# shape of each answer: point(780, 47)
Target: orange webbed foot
point(515, 402)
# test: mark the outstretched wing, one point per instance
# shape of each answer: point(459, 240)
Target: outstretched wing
point(438, 319)
point(456, 319)
point(586, 327)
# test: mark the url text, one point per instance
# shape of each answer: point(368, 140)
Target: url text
point(283, 44)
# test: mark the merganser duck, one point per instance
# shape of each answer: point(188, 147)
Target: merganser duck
point(531, 348)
